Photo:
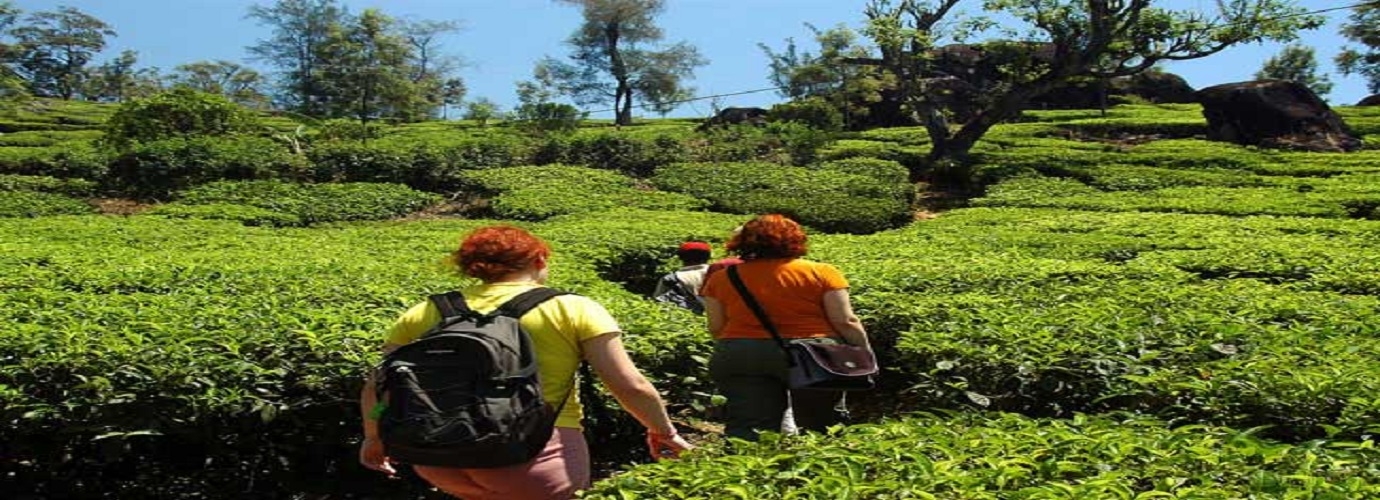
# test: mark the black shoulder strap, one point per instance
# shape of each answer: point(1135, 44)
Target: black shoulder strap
point(450, 304)
point(756, 308)
point(525, 301)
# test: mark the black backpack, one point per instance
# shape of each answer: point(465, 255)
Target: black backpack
point(466, 393)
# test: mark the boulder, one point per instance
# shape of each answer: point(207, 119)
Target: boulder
point(1274, 114)
point(735, 116)
point(1371, 100)
point(1158, 87)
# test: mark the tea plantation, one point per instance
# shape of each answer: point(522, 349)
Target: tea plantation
point(1121, 310)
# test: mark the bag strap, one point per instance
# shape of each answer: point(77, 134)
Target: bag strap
point(450, 304)
point(756, 307)
point(525, 301)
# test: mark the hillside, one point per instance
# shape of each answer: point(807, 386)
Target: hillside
point(1121, 309)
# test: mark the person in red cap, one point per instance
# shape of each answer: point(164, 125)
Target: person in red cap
point(682, 286)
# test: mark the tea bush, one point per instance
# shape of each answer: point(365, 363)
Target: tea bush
point(886, 171)
point(69, 187)
point(1320, 199)
point(853, 148)
point(47, 138)
point(248, 215)
point(78, 159)
point(539, 192)
point(814, 112)
point(286, 203)
point(632, 155)
point(738, 143)
point(196, 360)
point(1052, 311)
point(1005, 456)
point(39, 204)
point(428, 165)
point(157, 169)
point(824, 199)
point(1112, 177)
point(180, 112)
point(906, 136)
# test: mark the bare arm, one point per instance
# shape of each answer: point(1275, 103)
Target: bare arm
point(606, 355)
point(368, 398)
point(839, 309)
point(714, 312)
point(371, 450)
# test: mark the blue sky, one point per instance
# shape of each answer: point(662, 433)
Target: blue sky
point(502, 39)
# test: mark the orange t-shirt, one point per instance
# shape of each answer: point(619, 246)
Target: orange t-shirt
point(791, 291)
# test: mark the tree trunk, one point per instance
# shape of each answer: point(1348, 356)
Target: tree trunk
point(1009, 105)
point(623, 105)
point(954, 148)
point(364, 111)
point(622, 95)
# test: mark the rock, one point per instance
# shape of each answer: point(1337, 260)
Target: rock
point(1274, 114)
point(1371, 100)
point(735, 116)
point(1158, 87)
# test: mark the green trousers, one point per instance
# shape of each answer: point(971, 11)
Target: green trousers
point(751, 373)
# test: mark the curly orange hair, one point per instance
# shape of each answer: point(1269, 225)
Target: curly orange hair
point(771, 236)
point(492, 252)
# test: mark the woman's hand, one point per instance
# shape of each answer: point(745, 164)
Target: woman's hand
point(666, 445)
point(371, 455)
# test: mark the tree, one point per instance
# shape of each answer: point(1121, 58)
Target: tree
point(431, 70)
point(335, 64)
point(824, 75)
point(369, 70)
point(542, 88)
point(1296, 63)
point(13, 89)
point(608, 46)
point(1363, 27)
point(118, 80)
point(53, 48)
point(301, 29)
point(1062, 41)
point(232, 80)
point(481, 110)
point(452, 94)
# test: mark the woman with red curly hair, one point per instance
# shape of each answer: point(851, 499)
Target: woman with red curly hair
point(804, 299)
point(564, 330)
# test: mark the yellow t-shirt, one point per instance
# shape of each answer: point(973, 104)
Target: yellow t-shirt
point(557, 327)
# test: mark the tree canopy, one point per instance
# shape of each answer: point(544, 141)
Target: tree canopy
point(1363, 27)
point(335, 64)
point(53, 48)
point(610, 64)
point(1296, 63)
point(240, 83)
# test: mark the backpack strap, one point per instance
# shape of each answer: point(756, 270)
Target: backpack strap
point(450, 304)
point(525, 301)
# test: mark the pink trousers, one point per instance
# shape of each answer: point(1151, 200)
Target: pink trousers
point(558, 472)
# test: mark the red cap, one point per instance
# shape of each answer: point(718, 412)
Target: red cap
point(694, 245)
